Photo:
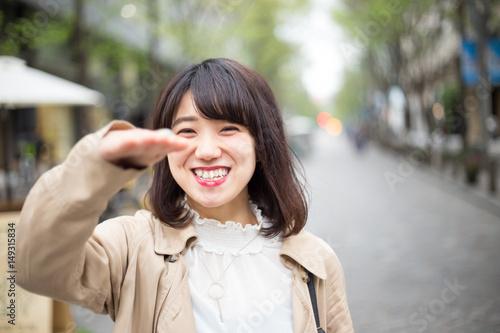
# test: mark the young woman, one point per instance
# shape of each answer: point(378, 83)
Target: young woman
point(222, 248)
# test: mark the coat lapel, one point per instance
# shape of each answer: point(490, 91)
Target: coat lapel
point(171, 241)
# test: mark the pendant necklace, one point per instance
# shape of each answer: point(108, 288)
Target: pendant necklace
point(216, 290)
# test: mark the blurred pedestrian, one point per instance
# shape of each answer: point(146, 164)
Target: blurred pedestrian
point(222, 246)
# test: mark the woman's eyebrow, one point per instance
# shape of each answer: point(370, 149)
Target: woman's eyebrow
point(181, 119)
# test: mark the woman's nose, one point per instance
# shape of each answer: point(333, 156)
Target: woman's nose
point(207, 149)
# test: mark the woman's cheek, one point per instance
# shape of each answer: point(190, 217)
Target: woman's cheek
point(245, 148)
point(174, 162)
point(177, 157)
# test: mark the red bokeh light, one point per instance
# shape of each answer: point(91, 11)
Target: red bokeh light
point(322, 118)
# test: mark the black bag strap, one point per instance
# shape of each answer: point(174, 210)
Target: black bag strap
point(312, 293)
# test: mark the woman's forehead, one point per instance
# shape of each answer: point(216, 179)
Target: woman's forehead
point(186, 106)
point(186, 109)
point(211, 104)
point(189, 112)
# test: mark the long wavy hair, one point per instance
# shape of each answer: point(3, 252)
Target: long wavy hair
point(224, 89)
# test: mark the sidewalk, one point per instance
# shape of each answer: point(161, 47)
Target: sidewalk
point(456, 175)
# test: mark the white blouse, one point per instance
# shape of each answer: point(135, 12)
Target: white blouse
point(243, 267)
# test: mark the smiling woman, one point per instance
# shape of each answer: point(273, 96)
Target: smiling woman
point(225, 90)
point(223, 248)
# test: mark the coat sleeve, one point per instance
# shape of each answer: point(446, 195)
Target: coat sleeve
point(58, 254)
point(338, 314)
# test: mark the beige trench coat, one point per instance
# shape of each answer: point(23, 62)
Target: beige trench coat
point(119, 267)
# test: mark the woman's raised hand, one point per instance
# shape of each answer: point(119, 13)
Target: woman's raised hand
point(139, 148)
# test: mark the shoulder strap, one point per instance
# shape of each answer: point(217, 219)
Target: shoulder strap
point(312, 293)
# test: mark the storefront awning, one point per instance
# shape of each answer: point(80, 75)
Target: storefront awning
point(22, 86)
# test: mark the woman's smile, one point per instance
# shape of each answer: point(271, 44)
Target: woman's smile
point(211, 176)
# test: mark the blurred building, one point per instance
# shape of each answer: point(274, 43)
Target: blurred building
point(435, 62)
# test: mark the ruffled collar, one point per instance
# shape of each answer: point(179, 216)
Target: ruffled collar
point(214, 236)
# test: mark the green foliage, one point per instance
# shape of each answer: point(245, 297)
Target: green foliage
point(9, 42)
point(372, 22)
point(451, 94)
point(53, 34)
point(272, 57)
point(350, 98)
point(82, 330)
point(114, 54)
point(451, 99)
point(34, 33)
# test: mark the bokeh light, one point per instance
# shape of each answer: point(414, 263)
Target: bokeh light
point(322, 119)
point(438, 111)
point(334, 127)
point(128, 11)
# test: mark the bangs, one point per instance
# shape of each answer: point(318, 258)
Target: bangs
point(219, 95)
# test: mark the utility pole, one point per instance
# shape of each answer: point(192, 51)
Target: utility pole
point(153, 56)
point(480, 12)
point(80, 55)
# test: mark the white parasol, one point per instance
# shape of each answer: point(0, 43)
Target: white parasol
point(21, 85)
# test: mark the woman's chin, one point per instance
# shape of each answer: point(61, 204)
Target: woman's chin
point(206, 202)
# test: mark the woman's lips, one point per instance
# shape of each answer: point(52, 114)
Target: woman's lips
point(211, 176)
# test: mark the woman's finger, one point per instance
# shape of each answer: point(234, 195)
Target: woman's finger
point(140, 145)
point(172, 141)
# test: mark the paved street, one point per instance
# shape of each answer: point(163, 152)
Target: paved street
point(420, 254)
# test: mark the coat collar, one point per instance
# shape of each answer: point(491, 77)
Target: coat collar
point(304, 248)
point(170, 241)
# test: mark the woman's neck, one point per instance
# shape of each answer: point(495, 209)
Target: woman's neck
point(237, 211)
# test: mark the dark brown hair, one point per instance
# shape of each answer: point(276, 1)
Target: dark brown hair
point(224, 89)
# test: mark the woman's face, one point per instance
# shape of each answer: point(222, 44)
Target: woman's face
point(215, 168)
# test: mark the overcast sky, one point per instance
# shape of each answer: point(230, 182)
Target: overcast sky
point(320, 39)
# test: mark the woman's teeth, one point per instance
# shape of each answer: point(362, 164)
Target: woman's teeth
point(212, 174)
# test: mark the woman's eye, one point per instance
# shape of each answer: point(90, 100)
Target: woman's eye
point(186, 131)
point(230, 129)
